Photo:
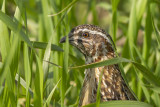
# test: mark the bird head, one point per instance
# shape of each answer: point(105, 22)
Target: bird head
point(91, 40)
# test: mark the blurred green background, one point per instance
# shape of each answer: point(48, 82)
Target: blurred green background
point(29, 37)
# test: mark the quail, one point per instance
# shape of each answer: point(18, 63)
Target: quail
point(97, 45)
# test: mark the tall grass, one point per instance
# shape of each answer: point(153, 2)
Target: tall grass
point(36, 70)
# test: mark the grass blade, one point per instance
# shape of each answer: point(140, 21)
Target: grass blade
point(43, 45)
point(149, 76)
point(147, 37)
point(47, 57)
point(23, 83)
point(114, 19)
point(132, 29)
point(121, 104)
point(38, 96)
point(64, 71)
point(156, 31)
point(66, 8)
point(14, 26)
point(102, 63)
point(27, 70)
point(51, 94)
point(98, 90)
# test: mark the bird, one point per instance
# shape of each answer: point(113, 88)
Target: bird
point(97, 45)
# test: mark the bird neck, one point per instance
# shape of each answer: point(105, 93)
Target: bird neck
point(100, 51)
point(100, 57)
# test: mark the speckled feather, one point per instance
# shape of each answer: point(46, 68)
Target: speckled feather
point(98, 46)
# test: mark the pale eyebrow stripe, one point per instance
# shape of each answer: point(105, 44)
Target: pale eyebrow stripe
point(94, 32)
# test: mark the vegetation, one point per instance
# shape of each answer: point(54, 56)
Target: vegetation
point(36, 70)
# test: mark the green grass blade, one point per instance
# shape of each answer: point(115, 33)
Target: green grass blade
point(6, 73)
point(64, 71)
point(146, 92)
point(98, 99)
point(15, 60)
point(14, 26)
point(148, 33)
point(156, 31)
point(4, 35)
point(38, 96)
point(66, 8)
point(27, 70)
point(43, 45)
point(102, 63)
point(121, 104)
point(49, 29)
point(8, 61)
point(114, 19)
point(20, 4)
point(46, 58)
point(23, 83)
point(156, 98)
point(132, 29)
point(4, 44)
point(51, 94)
point(141, 6)
point(149, 76)
point(154, 88)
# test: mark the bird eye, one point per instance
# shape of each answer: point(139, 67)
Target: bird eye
point(86, 34)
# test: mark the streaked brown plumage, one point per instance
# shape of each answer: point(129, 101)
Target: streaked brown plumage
point(97, 45)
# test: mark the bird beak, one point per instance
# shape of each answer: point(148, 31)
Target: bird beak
point(63, 40)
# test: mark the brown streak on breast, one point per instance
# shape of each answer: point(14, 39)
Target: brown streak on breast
point(94, 50)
